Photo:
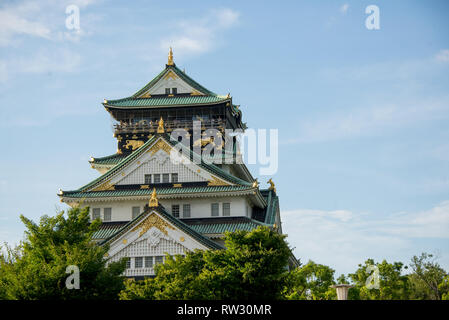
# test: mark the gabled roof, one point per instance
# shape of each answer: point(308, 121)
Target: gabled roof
point(211, 168)
point(174, 221)
point(180, 74)
point(201, 96)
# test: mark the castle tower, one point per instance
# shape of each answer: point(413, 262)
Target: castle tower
point(150, 204)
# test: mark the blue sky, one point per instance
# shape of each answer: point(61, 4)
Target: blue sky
point(362, 114)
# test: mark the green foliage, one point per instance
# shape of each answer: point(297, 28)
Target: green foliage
point(36, 269)
point(311, 282)
point(428, 277)
point(252, 267)
point(392, 284)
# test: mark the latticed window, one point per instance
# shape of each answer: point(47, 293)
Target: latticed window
point(157, 178)
point(166, 178)
point(158, 259)
point(214, 209)
point(186, 210)
point(167, 90)
point(107, 214)
point(226, 209)
point(148, 262)
point(135, 212)
point(128, 263)
point(147, 178)
point(175, 210)
point(174, 90)
point(174, 177)
point(95, 213)
point(138, 262)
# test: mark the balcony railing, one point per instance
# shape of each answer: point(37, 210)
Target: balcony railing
point(148, 126)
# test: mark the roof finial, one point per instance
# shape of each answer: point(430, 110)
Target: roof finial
point(170, 58)
point(153, 200)
point(160, 128)
point(272, 187)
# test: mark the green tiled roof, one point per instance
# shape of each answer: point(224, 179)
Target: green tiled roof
point(221, 225)
point(180, 74)
point(203, 226)
point(164, 101)
point(109, 160)
point(178, 223)
point(208, 167)
point(157, 101)
point(159, 191)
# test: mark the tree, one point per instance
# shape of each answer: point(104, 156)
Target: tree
point(428, 276)
point(36, 269)
point(254, 266)
point(392, 284)
point(311, 282)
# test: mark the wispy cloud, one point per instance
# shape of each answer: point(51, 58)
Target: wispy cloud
point(43, 19)
point(343, 238)
point(344, 8)
point(198, 36)
point(442, 56)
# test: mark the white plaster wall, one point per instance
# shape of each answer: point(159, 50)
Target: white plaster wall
point(199, 208)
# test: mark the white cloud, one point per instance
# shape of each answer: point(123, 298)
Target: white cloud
point(369, 120)
point(342, 239)
point(12, 24)
point(198, 36)
point(43, 19)
point(42, 61)
point(442, 56)
point(344, 8)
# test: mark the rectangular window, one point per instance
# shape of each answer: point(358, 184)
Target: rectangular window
point(214, 209)
point(96, 213)
point(107, 213)
point(135, 212)
point(148, 262)
point(157, 178)
point(174, 90)
point(166, 178)
point(175, 210)
point(128, 263)
point(174, 177)
point(226, 209)
point(148, 179)
point(138, 262)
point(158, 259)
point(167, 90)
point(186, 210)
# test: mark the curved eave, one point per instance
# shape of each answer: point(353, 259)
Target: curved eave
point(110, 105)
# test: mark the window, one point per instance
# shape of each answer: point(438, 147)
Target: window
point(158, 259)
point(214, 209)
point(166, 178)
point(175, 210)
point(107, 214)
point(135, 212)
point(96, 213)
point(167, 90)
point(186, 210)
point(174, 90)
point(157, 178)
point(148, 262)
point(174, 177)
point(138, 262)
point(226, 209)
point(128, 263)
point(148, 179)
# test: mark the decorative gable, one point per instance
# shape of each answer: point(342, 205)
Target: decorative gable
point(170, 80)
